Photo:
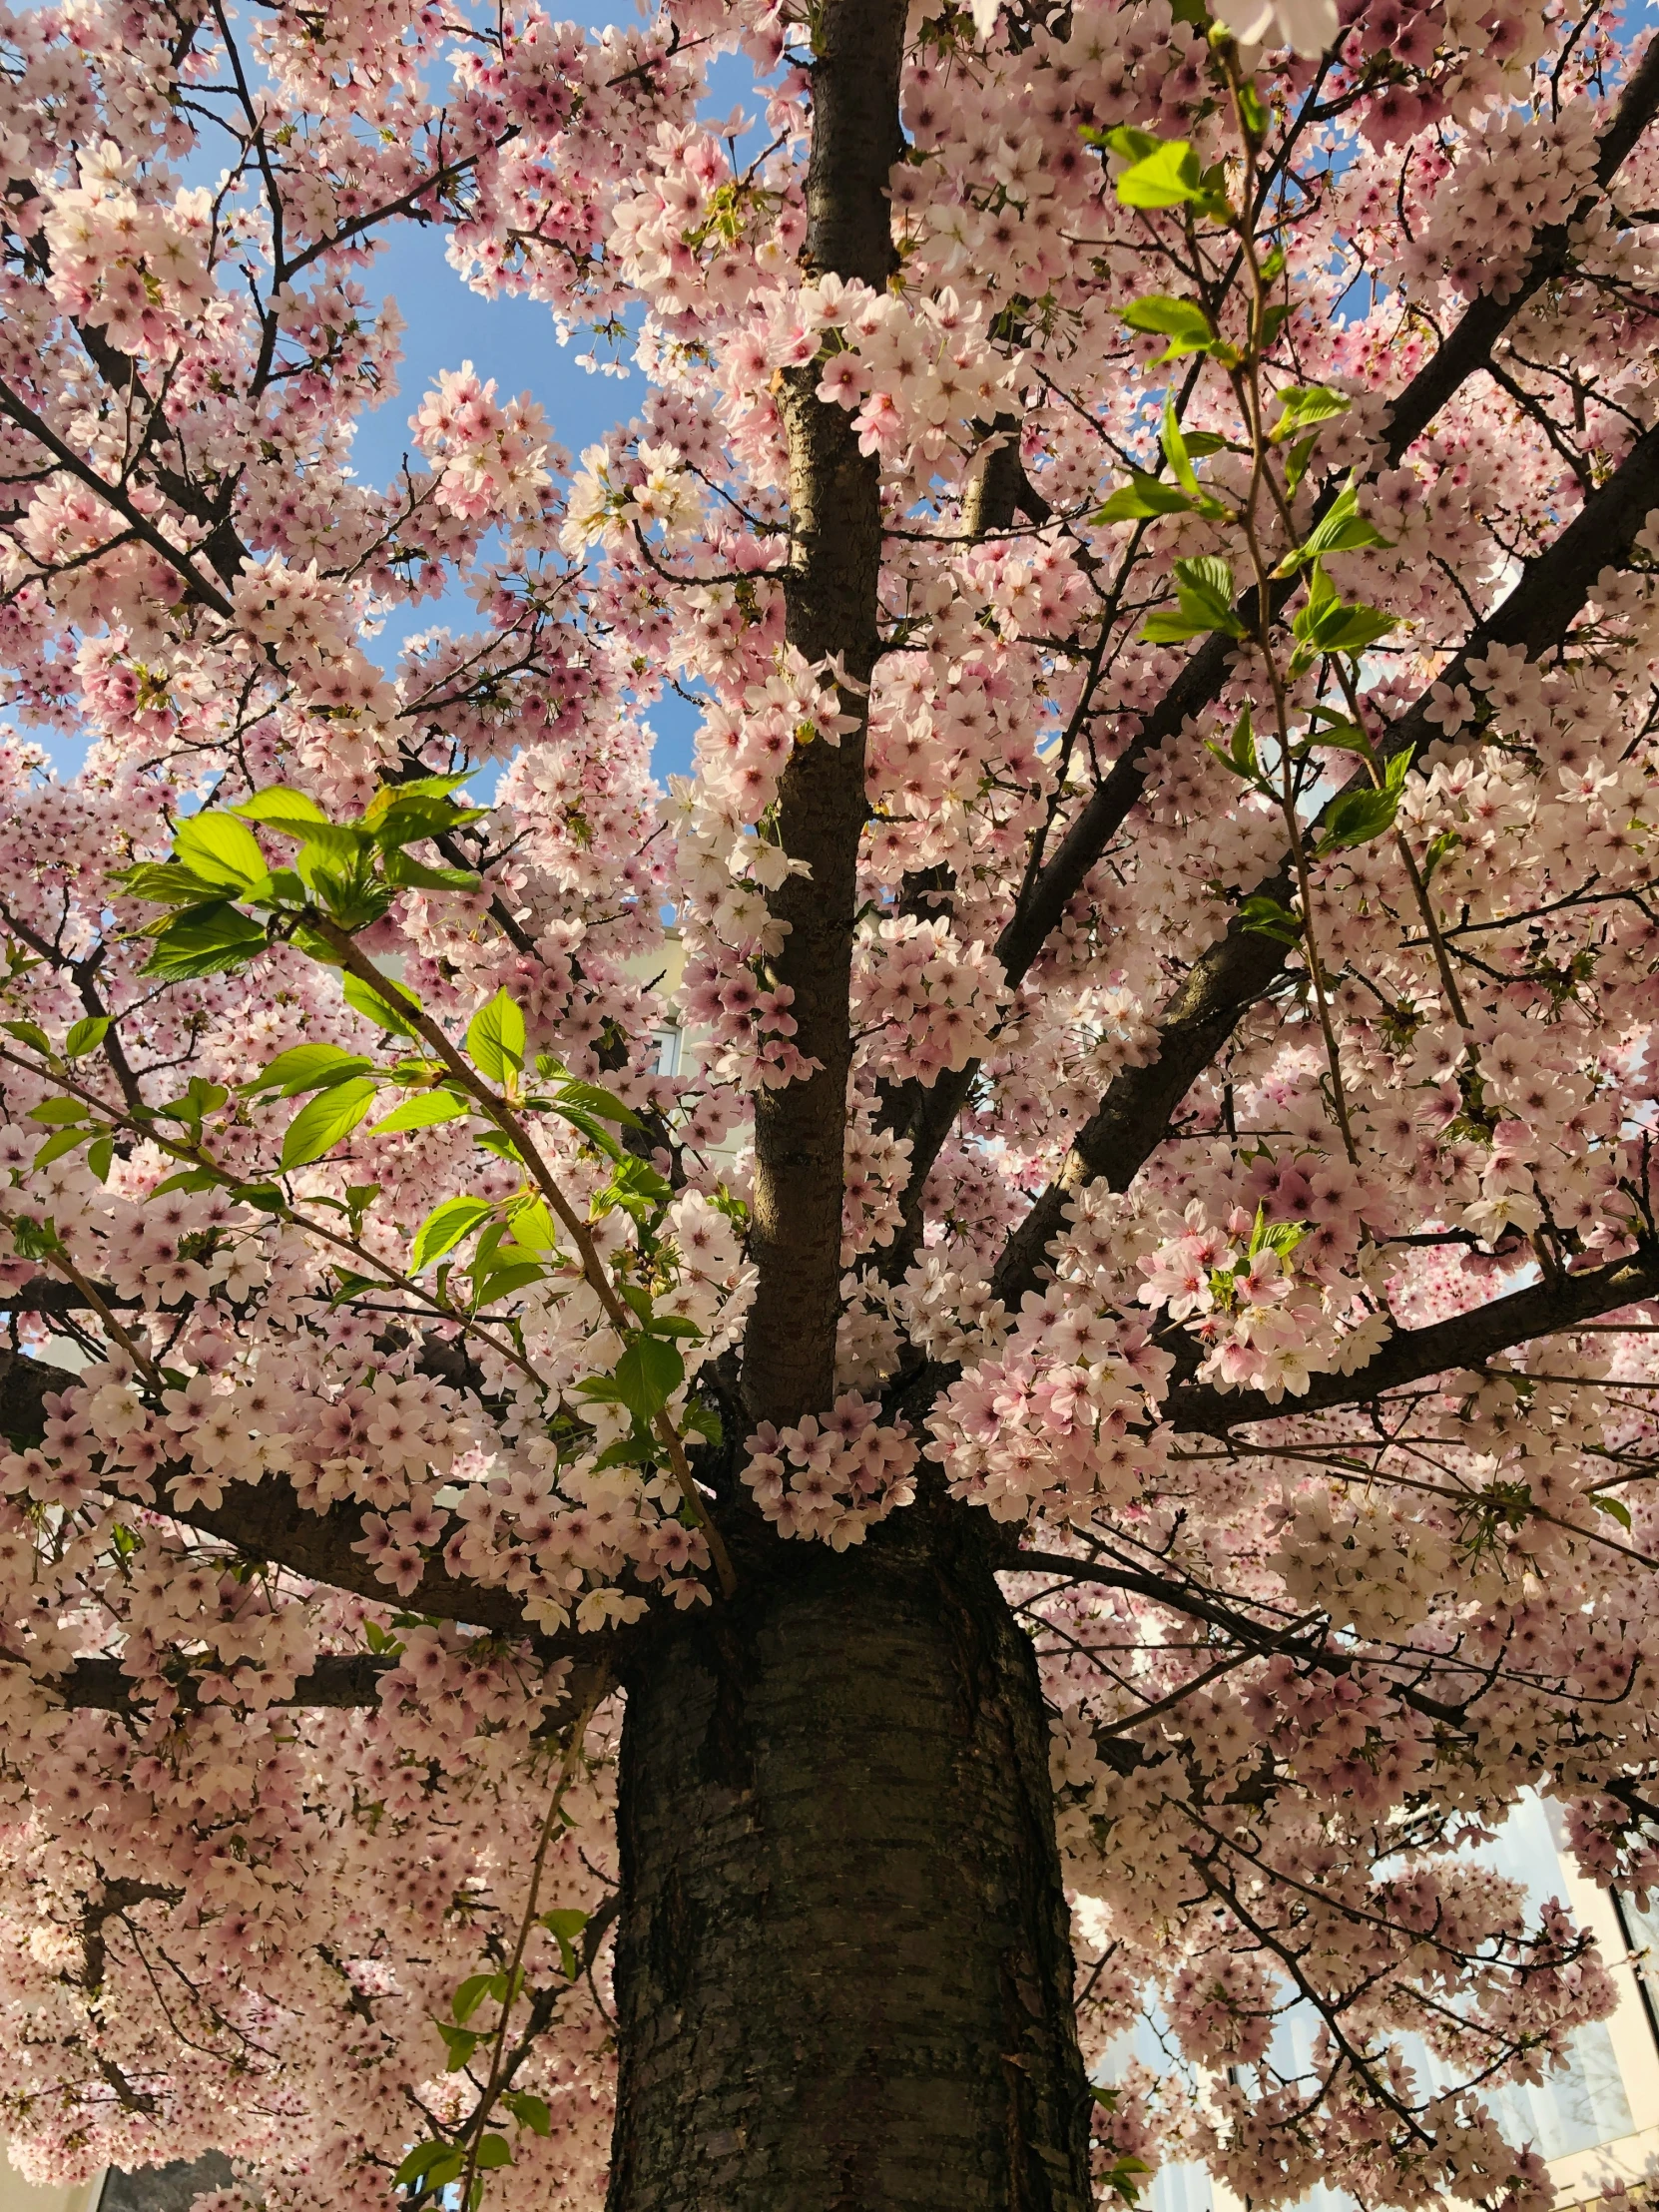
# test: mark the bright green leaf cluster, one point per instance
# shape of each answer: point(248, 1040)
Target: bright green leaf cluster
point(1164, 173)
point(1359, 817)
point(351, 871)
point(1203, 596)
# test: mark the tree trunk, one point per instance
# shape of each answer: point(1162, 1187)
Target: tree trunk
point(830, 599)
point(843, 1969)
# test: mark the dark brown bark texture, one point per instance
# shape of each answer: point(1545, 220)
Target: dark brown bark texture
point(843, 1976)
point(830, 603)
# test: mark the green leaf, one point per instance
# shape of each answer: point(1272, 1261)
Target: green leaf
point(191, 1179)
point(60, 1109)
point(1297, 456)
point(203, 941)
point(382, 1006)
point(431, 2166)
point(324, 840)
point(529, 2110)
point(705, 1420)
point(1280, 1237)
point(1182, 322)
point(394, 798)
point(1120, 2178)
point(220, 851)
point(1141, 497)
point(640, 1180)
point(1356, 819)
point(501, 1282)
point(1338, 736)
point(331, 1115)
point(400, 814)
point(1329, 624)
point(165, 884)
point(444, 1226)
point(200, 1099)
point(635, 1186)
point(1250, 111)
point(1176, 451)
point(493, 1140)
point(1304, 405)
point(29, 1033)
point(496, 1038)
point(1266, 918)
point(470, 1996)
point(1133, 145)
point(1440, 848)
point(1341, 529)
point(1171, 629)
point(306, 1067)
point(532, 1224)
point(1167, 176)
point(648, 1375)
point(281, 801)
point(66, 1140)
point(601, 1388)
point(628, 1451)
point(1241, 755)
point(564, 1925)
point(423, 1112)
point(1208, 580)
point(86, 1036)
point(410, 874)
point(460, 2043)
point(673, 1325)
point(493, 2151)
point(101, 1157)
point(593, 1098)
point(1614, 1507)
point(591, 1128)
point(1203, 593)
point(265, 1196)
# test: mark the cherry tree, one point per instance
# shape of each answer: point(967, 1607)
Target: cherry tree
point(716, 1638)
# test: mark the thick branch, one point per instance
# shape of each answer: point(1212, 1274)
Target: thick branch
point(1414, 1354)
point(265, 1520)
point(830, 601)
point(342, 1679)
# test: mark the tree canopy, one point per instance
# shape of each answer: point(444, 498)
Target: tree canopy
point(1121, 1354)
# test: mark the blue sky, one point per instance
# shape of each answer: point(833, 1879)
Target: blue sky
point(511, 339)
point(514, 340)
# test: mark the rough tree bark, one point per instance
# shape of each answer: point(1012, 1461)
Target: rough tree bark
point(831, 608)
point(843, 1971)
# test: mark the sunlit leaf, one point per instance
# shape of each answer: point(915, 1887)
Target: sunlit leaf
point(496, 1038)
point(444, 1226)
point(648, 1375)
point(423, 1112)
point(307, 1067)
point(331, 1115)
point(220, 850)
